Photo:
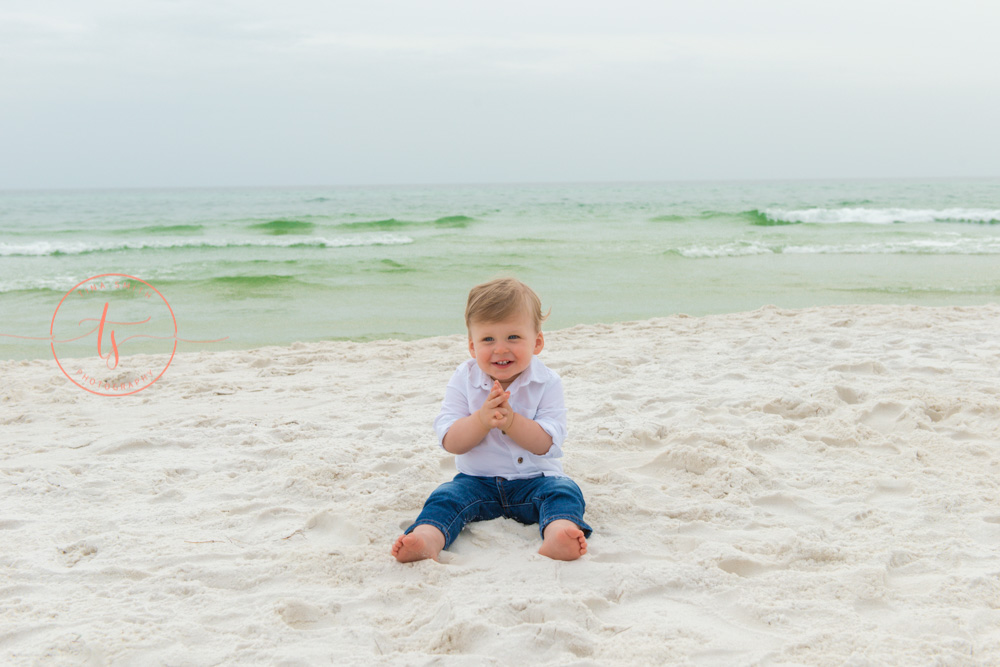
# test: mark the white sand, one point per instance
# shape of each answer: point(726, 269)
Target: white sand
point(812, 487)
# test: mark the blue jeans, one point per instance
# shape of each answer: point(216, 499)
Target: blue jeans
point(466, 498)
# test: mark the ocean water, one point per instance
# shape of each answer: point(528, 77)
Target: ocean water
point(271, 266)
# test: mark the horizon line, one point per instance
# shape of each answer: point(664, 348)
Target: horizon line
point(345, 186)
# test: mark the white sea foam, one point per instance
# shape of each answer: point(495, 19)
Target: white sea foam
point(42, 248)
point(882, 216)
point(32, 282)
point(726, 250)
point(933, 246)
point(951, 245)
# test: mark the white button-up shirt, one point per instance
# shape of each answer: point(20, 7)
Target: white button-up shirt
point(537, 394)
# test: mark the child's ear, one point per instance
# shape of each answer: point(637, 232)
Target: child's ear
point(539, 342)
point(472, 348)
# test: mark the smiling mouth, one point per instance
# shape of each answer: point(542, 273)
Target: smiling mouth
point(503, 364)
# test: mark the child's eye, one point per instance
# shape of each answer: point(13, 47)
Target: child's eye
point(512, 336)
point(488, 339)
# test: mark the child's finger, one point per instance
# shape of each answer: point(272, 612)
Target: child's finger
point(496, 400)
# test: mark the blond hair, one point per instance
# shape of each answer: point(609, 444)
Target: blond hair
point(499, 299)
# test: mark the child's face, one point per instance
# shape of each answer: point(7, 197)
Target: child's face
point(503, 350)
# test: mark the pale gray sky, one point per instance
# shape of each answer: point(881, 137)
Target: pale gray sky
point(133, 93)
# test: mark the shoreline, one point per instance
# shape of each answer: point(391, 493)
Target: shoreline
point(298, 345)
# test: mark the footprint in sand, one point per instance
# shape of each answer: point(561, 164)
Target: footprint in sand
point(744, 567)
point(302, 615)
point(390, 466)
point(782, 503)
point(791, 407)
point(883, 417)
point(334, 531)
point(848, 395)
point(76, 553)
point(865, 368)
point(623, 557)
point(893, 486)
point(682, 458)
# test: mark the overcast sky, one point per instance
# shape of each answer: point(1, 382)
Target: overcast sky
point(134, 93)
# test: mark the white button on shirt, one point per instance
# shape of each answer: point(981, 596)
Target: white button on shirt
point(537, 394)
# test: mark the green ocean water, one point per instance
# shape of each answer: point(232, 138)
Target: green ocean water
point(270, 266)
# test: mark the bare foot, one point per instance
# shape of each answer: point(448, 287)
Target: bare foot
point(423, 542)
point(563, 541)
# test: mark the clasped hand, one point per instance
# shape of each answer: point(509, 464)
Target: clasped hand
point(496, 411)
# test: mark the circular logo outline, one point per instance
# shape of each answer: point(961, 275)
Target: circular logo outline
point(105, 275)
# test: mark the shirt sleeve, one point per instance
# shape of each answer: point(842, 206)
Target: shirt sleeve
point(551, 416)
point(455, 404)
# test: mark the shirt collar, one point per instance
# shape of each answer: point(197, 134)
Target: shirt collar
point(533, 373)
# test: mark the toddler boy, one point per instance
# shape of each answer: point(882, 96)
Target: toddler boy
point(504, 418)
